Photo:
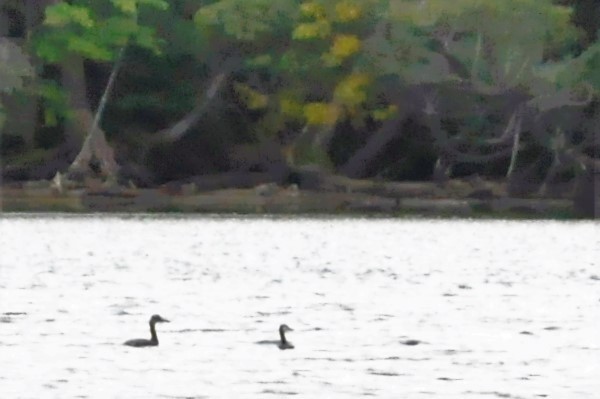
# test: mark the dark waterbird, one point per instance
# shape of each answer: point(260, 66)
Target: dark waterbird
point(153, 341)
point(283, 342)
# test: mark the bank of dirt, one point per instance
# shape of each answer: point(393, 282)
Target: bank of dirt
point(335, 195)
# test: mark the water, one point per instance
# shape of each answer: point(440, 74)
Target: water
point(502, 309)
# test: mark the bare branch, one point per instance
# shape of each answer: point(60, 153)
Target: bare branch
point(514, 152)
point(356, 166)
point(478, 158)
point(476, 57)
point(431, 102)
point(448, 146)
point(513, 128)
point(181, 127)
point(562, 98)
point(521, 70)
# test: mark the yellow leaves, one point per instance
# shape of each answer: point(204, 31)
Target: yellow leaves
point(312, 9)
point(345, 11)
point(386, 113)
point(261, 60)
point(348, 96)
point(312, 30)
point(351, 91)
point(321, 113)
point(348, 11)
point(343, 47)
point(323, 20)
point(252, 98)
point(318, 29)
point(291, 108)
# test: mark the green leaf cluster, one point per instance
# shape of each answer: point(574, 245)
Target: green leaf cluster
point(95, 30)
point(246, 20)
point(55, 102)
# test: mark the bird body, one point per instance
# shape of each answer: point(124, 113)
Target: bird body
point(282, 343)
point(153, 341)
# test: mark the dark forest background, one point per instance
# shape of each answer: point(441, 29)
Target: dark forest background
point(146, 92)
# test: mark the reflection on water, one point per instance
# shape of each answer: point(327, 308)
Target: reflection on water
point(383, 308)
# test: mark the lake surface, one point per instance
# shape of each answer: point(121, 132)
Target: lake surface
point(502, 309)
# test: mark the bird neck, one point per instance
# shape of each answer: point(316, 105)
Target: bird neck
point(282, 335)
point(153, 333)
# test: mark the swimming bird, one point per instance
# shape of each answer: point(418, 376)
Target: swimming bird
point(153, 341)
point(283, 342)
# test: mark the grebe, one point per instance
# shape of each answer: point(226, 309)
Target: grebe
point(153, 341)
point(283, 342)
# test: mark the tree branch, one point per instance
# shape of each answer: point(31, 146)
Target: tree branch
point(513, 128)
point(181, 127)
point(561, 98)
point(356, 166)
point(449, 147)
point(95, 143)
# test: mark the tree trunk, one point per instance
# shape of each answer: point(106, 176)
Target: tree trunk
point(442, 170)
point(21, 118)
point(310, 146)
point(34, 16)
point(586, 199)
point(95, 148)
point(24, 114)
point(357, 165)
point(73, 81)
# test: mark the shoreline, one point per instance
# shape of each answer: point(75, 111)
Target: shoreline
point(274, 200)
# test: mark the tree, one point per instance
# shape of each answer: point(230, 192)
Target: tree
point(14, 69)
point(98, 31)
point(334, 83)
point(297, 71)
point(18, 21)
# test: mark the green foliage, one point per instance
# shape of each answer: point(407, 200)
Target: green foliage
point(477, 33)
point(81, 28)
point(95, 30)
point(63, 14)
point(390, 50)
point(55, 102)
point(246, 20)
point(132, 6)
point(588, 66)
point(579, 75)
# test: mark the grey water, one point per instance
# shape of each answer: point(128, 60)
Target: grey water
point(500, 309)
